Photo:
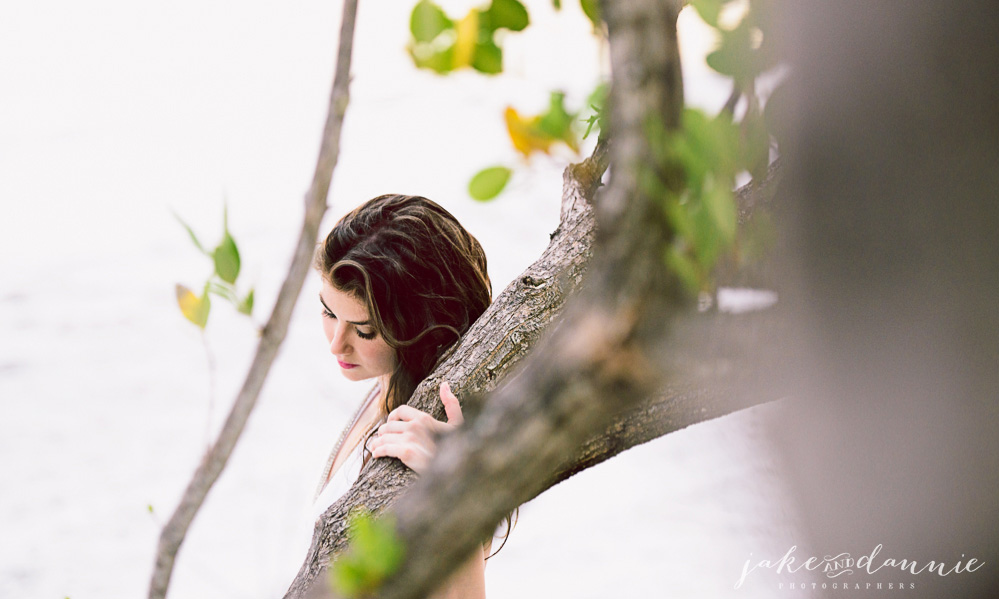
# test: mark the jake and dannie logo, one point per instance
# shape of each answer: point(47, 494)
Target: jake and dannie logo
point(841, 564)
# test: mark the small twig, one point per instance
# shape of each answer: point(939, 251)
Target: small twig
point(277, 326)
point(212, 387)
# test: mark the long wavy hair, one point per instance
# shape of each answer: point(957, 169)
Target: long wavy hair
point(420, 274)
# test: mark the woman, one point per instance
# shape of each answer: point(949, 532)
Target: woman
point(402, 281)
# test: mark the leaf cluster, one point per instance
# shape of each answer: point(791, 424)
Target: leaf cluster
point(539, 134)
point(693, 169)
point(374, 551)
point(443, 45)
point(744, 52)
point(693, 174)
point(221, 282)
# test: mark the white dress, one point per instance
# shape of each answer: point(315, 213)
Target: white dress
point(341, 481)
point(349, 470)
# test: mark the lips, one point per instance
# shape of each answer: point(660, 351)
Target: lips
point(346, 364)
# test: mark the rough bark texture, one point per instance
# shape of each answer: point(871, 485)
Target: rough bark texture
point(274, 332)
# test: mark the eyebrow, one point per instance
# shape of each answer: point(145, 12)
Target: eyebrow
point(366, 322)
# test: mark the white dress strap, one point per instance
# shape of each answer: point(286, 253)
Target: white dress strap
point(340, 482)
point(328, 475)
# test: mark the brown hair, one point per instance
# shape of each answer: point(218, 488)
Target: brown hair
point(420, 274)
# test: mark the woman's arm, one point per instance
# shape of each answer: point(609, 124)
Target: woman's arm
point(468, 581)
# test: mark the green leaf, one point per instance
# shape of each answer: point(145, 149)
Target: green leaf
point(488, 58)
point(709, 10)
point(598, 102)
point(556, 122)
point(509, 14)
point(737, 57)
point(650, 184)
point(679, 218)
point(707, 145)
point(226, 258)
point(190, 231)
point(439, 61)
point(557, 4)
point(593, 121)
point(598, 97)
point(591, 8)
point(720, 205)
point(246, 305)
point(489, 182)
point(373, 554)
point(684, 268)
point(428, 21)
point(706, 239)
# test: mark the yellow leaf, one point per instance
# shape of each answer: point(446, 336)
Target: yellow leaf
point(525, 134)
point(468, 37)
point(192, 307)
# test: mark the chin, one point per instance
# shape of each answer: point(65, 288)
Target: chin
point(354, 374)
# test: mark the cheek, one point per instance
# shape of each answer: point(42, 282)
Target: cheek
point(386, 356)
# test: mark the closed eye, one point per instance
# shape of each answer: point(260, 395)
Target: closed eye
point(329, 314)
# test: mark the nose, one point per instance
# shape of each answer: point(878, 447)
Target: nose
point(338, 344)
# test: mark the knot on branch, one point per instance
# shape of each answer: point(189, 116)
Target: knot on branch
point(533, 282)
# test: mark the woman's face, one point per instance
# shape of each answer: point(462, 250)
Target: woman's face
point(359, 349)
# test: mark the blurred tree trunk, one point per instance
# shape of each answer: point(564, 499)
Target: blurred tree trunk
point(896, 344)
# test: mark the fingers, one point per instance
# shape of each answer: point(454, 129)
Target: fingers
point(407, 413)
point(412, 452)
point(422, 430)
point(451, 406)
point(409, 434)
point(394, 426)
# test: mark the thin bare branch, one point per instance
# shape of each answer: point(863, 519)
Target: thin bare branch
point(273, 335)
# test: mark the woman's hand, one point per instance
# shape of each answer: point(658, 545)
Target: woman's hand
point(409, 434)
